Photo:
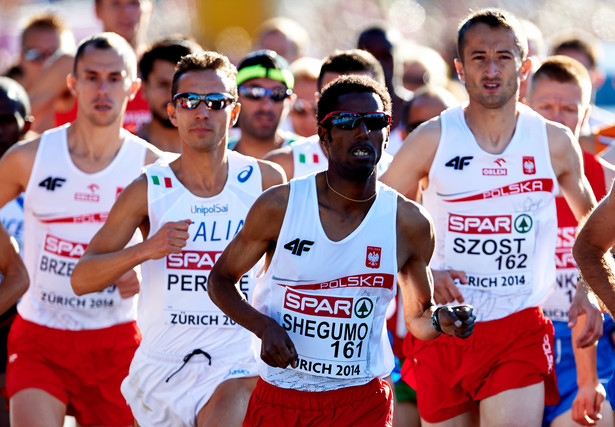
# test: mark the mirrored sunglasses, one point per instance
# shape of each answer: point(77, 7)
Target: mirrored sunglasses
point(213, 101)
point(255, 93)
point(348, 120)
point(33, 55)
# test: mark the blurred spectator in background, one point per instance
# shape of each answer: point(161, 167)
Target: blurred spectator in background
point(265, 86)
point(422, 65)
point(536, 51)
point(586, 49)
point(382, 42)
point(44, 38)
point(128, 18)
point(157, 66)
point(301, 118)
point(284, 36)
point(427, 103)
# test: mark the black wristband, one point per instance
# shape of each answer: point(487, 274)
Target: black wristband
point(435, 322)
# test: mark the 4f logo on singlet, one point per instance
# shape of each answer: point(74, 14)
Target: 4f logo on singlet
point(298, 246)
point(459, 162)
point(50, 183)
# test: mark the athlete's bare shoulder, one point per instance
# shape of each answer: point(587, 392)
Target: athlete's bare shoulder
point(284, 157)
point(16, 166)
point(413, 160)
point(413, 217)
point(415, 232)
point(152, 153)
point(272, 173)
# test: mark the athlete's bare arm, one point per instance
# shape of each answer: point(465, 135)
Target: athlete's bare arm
point(567, 164)
point(587, 403)
point(107, 258)
point(609, 172)
point(284, 157)
point(51, 84)
point(412, 162)
point(15, 169)
point(410, 167)
point(415, 246)
point(592, 251)
point(13, 272)
point(257, 237)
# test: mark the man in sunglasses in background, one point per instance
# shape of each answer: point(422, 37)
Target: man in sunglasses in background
point(129, 19)
point(44, 38)
point(306, 156)
point(265, 85)
point(334, 243)
point(491, 170)
point(194, 365)
point(69, 354)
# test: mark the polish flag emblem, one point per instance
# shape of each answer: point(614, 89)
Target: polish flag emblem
point(372, 258)
point(529, 166)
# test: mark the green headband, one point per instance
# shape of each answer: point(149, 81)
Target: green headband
point(258, 71)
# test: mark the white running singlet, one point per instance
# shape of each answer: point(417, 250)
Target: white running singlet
point(308, 158)
point(64, 208)
point(175, 313)
point(11, 216)
point(494, 214)
point(331, 297)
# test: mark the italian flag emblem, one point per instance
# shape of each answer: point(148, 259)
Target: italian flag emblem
point(161, 181)
point(302, 158)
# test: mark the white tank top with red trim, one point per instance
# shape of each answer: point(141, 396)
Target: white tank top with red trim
point(494, 214)
point(63, 208)
point(331, 297)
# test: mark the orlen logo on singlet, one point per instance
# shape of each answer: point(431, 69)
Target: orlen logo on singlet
point(487, 224)
point(65, 248)
point(193, 260)
point(91, 196)
point(318, 305)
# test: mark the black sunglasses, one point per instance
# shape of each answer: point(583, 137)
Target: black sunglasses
point(348, 120)
point(255, 93)
point(213, 101)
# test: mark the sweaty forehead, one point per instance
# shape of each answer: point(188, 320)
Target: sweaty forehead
point(203, 82)
point(483, 37)
point(359, 101)
point(103, 60)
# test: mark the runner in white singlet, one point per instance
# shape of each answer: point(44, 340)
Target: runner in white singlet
point(492, 169)
point(71, 177)
point(194, 365)
point(334, 242)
